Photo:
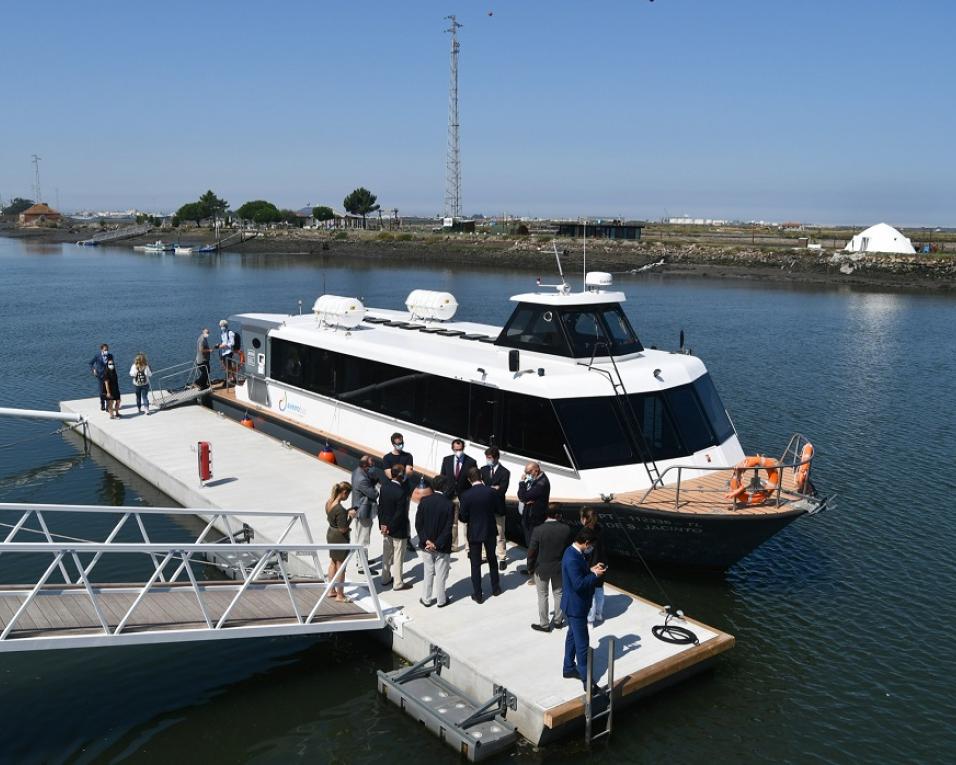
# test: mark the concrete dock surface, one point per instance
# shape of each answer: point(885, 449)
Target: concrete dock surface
point(488, 644)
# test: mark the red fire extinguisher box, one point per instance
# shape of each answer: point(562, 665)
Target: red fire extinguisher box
point(204, 452)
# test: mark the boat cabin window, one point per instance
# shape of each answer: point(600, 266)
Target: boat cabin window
point(714, 407)
point(596, 432)
point(574, 331)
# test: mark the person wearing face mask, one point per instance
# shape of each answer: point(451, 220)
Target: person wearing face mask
point(203, 352)
point(398, 456)
point(111, 389)
point(395, 527)
point(578, 581)
point(455, 468)
point(497, 476)
point(534, 493)
point(365, 500)
point(226, 347)
point(98, 370)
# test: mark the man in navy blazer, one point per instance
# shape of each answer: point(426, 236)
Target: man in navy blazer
point(478, 508)
point(577, 593)
point(455, 468)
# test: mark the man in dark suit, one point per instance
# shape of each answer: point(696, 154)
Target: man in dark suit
point(548, 543)
point(433, 522)
point(534, 493)
point(577, 593)
point(455, 468)
point(394, 525)
point(478, 506)
point(497, 476)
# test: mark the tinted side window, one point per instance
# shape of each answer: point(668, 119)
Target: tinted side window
point(691, 422)
point(531, 428)
point(444, 404)
point(714, 407)
point(584, 332)
point(481, 415)
point(596, 432)
point(620, 331)
point(656, 425)
point(534, 328)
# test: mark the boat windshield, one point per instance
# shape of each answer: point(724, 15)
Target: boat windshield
point(575, 331)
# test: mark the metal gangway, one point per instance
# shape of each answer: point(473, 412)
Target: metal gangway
point(120, 233)
point(176, 385)
point(181, 590)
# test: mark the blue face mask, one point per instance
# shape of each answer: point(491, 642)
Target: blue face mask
point(399, 447)
point(490, 463)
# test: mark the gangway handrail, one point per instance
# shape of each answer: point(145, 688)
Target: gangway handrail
point(215, 515)
point(112, 631)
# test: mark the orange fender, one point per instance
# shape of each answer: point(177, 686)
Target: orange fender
point(803, 472)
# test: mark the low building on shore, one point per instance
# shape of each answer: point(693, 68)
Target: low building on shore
point(600, 229)
point(40, 214)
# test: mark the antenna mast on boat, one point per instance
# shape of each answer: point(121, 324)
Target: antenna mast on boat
point(584, 275)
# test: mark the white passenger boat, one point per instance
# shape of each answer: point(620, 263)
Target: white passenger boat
point(640, 434)
point(179, 250)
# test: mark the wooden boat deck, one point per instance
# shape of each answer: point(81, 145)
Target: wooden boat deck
point(706, 495)
point(68, 610)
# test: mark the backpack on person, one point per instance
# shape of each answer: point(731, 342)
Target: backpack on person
point(140, 379)
point(236, 341)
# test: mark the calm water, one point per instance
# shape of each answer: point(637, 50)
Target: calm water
point(842, 654)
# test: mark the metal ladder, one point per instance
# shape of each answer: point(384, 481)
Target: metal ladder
point(589, 714)
point(630, 418)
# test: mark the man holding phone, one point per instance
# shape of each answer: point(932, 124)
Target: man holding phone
point(577, 594)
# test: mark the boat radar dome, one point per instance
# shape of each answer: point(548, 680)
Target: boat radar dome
point(430, 305)
point(335, 311)
point(598, 281)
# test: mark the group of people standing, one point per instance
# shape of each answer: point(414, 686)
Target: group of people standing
point(462, 505)
point(103, 368)
point(229, 350)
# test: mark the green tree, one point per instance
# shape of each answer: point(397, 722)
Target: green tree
point(360, 202)
point(213, 206)
point(292, 218)
point(259, 211)
point(191, 211)
point(323, 213)
point(17, 205)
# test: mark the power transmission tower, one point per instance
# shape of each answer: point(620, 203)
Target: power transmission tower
point(453, 158)
point(36, 173)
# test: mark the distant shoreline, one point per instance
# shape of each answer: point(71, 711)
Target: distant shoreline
point(924, 273)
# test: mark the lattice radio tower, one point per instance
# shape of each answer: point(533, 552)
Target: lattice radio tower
point(453, 158)
point(36, 173)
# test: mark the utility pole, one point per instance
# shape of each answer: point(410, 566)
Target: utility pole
point(36, 174)
point(453, 158)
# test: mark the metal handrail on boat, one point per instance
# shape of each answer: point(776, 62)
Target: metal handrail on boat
point(794, 447)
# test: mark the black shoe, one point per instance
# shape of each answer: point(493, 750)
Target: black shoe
point(502, 565)
point(573, 674)
point(539, 628)
point(596, 690)
point(447, 601)
point(559, 625)
point(496, 592)
point(478, 599)
point(426, 603)
point(525, 572)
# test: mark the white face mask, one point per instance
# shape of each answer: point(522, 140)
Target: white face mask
point(490, 463)
point(458, 453)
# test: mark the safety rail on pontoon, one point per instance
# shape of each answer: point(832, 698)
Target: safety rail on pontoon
point(108, 608)
point(790, 460)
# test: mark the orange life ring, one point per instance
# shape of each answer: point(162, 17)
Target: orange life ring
point(738, 488)
point(803, 471)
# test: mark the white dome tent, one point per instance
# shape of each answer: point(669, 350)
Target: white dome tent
point(880, 238)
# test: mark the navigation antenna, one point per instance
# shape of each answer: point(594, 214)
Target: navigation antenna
point(584, 276)
point(453, 157)
point(36, 173)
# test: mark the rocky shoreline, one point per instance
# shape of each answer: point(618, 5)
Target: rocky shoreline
point(936, 273)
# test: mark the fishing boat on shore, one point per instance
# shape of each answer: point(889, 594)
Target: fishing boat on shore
point(638, 434)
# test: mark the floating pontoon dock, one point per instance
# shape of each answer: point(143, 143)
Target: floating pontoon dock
point(489, 647)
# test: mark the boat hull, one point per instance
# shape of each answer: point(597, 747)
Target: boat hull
point(711, 542)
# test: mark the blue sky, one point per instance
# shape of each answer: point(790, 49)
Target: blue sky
point(811, 110)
